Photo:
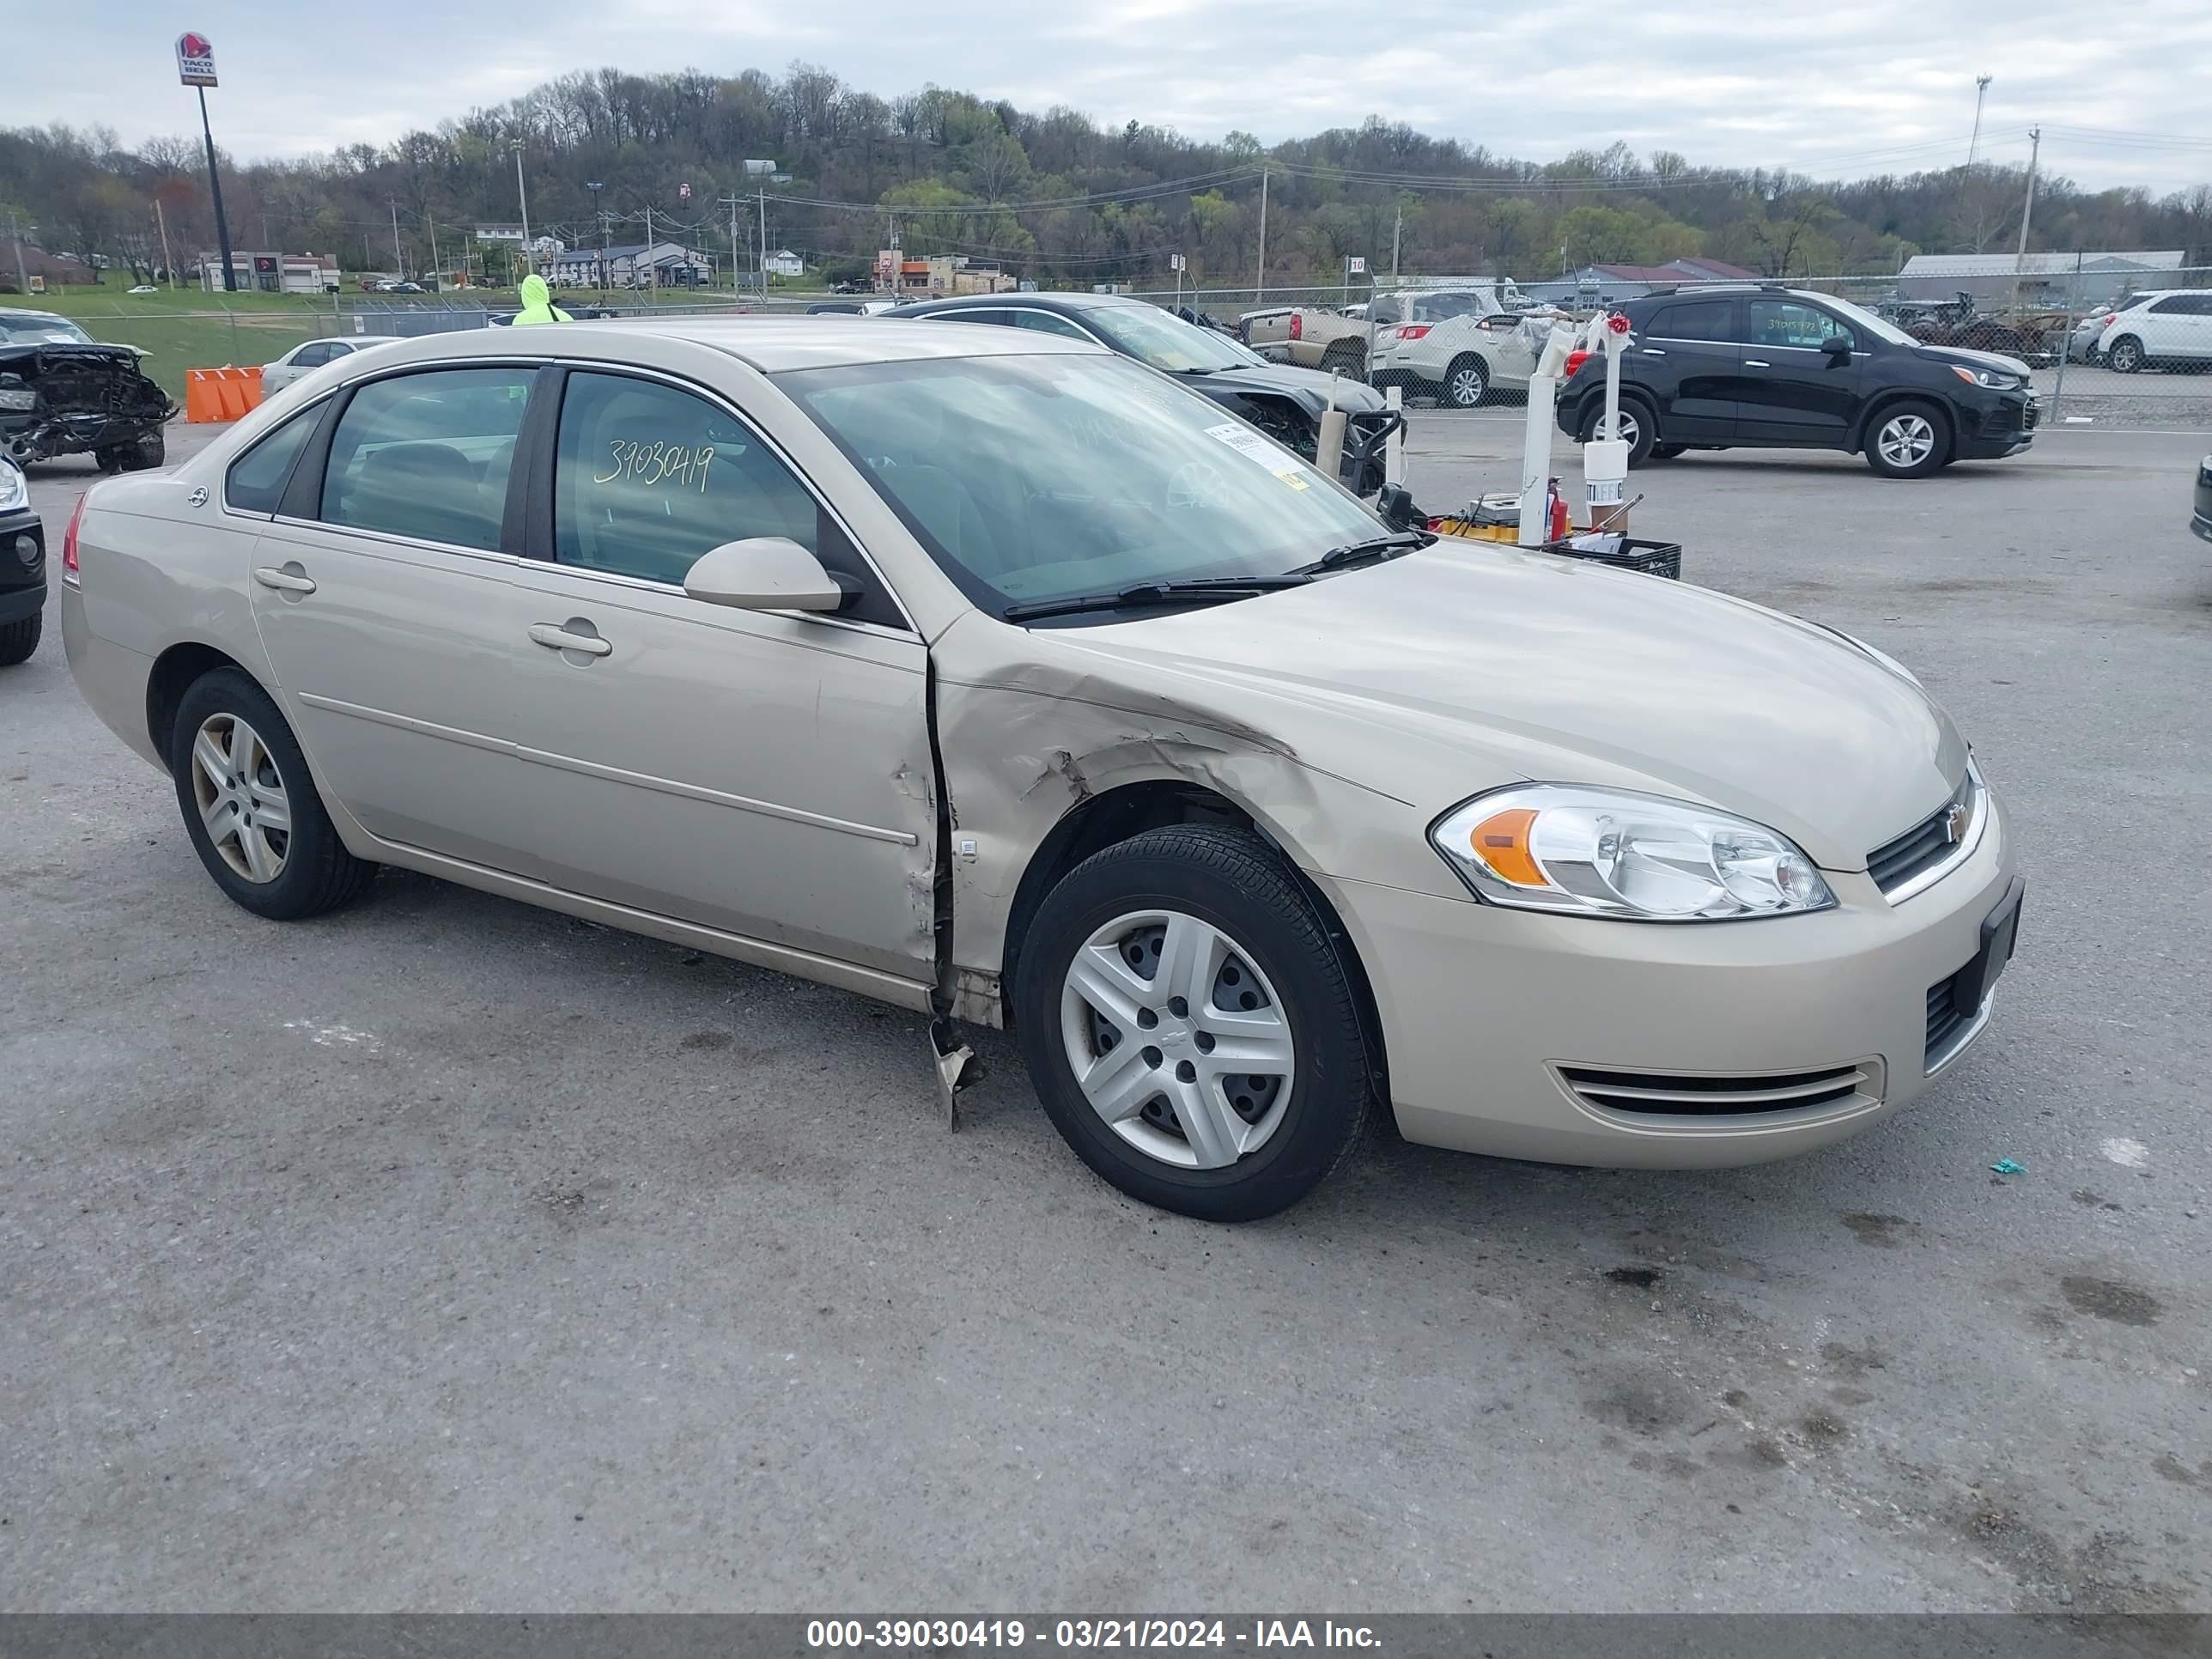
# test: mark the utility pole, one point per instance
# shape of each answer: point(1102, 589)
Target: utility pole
point(23, 282)
point(731, 203)
point(398, 259)
point(1981, 91)
point(1259, 277)
point(595, 186)
point(763, 251)
point(434, 262)
point(652, 279)
point(160, 219)
point(2026, 209)
point(1397, 231)
point(215, 193)
point(522, 196)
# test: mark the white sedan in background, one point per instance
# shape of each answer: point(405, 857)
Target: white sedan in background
point(312, 354)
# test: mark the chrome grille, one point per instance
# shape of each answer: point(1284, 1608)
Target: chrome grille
point(1925, 853)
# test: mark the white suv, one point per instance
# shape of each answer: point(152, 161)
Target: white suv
point(2168, 329)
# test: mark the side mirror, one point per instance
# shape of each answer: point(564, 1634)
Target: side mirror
point(1837, 345)
point(763, 573)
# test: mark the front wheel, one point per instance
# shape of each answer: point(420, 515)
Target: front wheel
point(1908, 440)
point(1189, 1026)
point(1638, 427)
point(2126, 357)
point(250, 806)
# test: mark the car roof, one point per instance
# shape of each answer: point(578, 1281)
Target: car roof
point(770, 344)
point(43, 316)
point(1050, 301)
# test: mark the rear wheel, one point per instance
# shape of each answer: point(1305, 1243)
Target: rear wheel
point(1908, 440)
point(1189, 1027)
point(2126, 355)
point(1467, 382)
point(1637, 427)
point(19, 639)
point(1344, 360)
point(250, 807)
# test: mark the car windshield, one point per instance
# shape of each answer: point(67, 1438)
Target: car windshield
point(1037, 478)
point(1152, 335)
point(24, 328)
point(1860, 317)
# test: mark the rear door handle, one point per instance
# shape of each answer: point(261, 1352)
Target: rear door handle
point(289, 579)
point(1655, 351)
point(554, 637)
point(1756, 362)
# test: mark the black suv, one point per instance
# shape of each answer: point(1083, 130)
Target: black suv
point(22, 567)
point(1774, 368)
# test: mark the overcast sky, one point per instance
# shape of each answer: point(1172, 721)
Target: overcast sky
point(1834, 90)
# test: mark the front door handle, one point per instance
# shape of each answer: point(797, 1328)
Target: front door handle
point(1655, 351)
point(1756, 362)
point(554, 636)
point(290, 579)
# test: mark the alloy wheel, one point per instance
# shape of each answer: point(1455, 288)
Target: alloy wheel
point(241, 797)
point(1467, 387)
point(1906, 440)
point(1177, 1040)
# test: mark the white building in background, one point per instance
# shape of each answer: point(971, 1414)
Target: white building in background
point(272, 273)
point(2071, 280)
point(784, 263)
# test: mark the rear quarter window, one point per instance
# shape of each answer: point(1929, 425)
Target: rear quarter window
point(256, 480)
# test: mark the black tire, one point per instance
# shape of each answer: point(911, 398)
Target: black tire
point(1466, 382)
point(318, 874)
point(2126, 357)
point(1638, 425)
point(110, 460)
point(19, 639)
point(1898, 416)
point(1231, 880)
point(1667, 451)
point(145, 452)
point(1347, 359)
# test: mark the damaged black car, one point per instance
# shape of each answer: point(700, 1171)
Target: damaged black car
point(63, 393)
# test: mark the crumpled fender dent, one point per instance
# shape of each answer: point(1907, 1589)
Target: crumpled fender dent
point(1032, 727)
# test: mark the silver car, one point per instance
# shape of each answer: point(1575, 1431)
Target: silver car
point(309, 355)
point(1000, 678)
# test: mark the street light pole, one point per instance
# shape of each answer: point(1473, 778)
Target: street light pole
point(1981, 91)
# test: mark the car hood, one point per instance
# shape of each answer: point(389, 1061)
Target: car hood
point(1309, 387)
point(1994, 360)
point(1463, 666)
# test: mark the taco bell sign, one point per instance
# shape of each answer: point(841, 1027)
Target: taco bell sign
point(195, 59)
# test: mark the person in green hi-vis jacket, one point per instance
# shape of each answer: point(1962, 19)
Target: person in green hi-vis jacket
point(537, 305)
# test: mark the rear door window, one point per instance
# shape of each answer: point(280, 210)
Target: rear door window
point(1694, 320)
point(1046, 322)
point(1787, 324)
point(972, 314)
point(428, 455)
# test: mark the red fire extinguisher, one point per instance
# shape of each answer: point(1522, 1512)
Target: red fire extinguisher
point(1555, 511)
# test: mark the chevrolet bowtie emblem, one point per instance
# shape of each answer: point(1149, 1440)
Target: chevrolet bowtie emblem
point(1954, 822)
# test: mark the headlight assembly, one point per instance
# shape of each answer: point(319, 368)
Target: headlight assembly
point(15, 493)
point(1615, 853)
point(1991, 378)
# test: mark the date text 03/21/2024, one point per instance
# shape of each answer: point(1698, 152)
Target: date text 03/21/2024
point(831, 1634)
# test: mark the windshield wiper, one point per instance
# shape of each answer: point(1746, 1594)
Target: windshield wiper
point(1145, 594)
point(1375, 547)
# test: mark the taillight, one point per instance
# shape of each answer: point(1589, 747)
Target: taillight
point(1298, 326)
point(1414, 330)
point(1575, 361)
point(68, 543)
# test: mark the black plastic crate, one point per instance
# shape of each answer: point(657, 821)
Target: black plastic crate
point(1653, 558)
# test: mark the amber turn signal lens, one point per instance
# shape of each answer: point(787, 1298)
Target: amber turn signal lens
point(1501, 841)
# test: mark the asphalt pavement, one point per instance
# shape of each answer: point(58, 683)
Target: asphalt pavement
point(446, 1254)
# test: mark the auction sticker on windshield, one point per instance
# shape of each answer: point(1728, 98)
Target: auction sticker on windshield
point(1250, 444)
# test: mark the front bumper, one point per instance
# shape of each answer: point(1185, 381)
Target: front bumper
point(1994, 424)
point(22, 566)
point(1495, 1021)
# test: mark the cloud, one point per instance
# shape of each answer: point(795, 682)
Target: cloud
point(1883, 85)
